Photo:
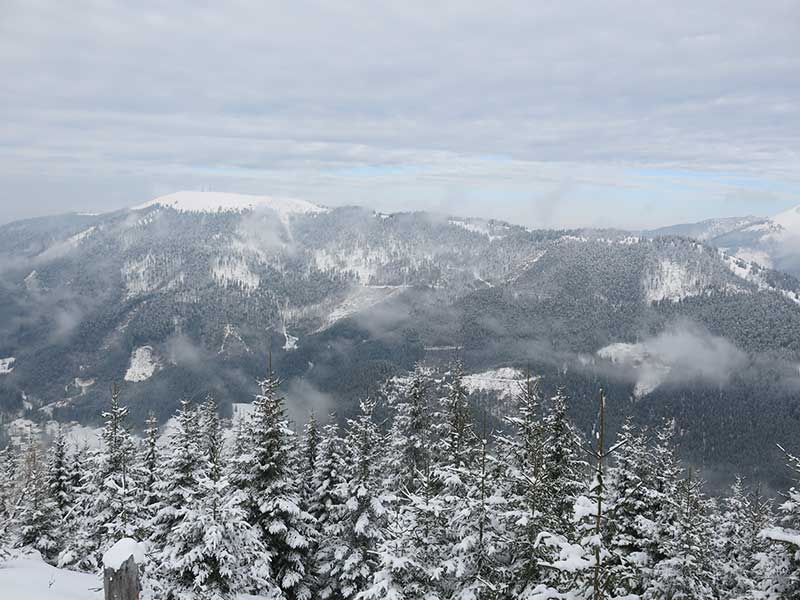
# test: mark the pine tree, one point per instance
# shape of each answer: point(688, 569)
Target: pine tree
point(211, 443)
point(411, 435)
point(352, 531)
point(8, 495)
point(476, 508)
point(785, 574)
point(59, 480)
point(685, 571)
point(263, 474)
point(210, 551)
point(526, 482)
point(411, 553)
point(177, 484)
point(150, 461)
point(328, 474)
point(458, 439)
point(37, 525)
point(79, 544)
point(114, 512)
point(565, 468)
point(629, 505)
point(308, 454)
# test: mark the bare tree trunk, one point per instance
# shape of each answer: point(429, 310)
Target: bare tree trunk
point(122, 584)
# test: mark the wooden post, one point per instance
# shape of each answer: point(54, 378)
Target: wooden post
point(122, 583)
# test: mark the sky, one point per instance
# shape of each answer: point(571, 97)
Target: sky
point(548, 114)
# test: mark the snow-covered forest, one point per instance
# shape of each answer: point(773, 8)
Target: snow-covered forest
point(416, 497)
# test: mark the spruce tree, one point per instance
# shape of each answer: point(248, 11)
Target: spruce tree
point(38, 520)
point(785, 574)
point(263, 473)
point(685, 572)
point(629, 504)
point(527, 485)
point(210, 551)
point(352, 530)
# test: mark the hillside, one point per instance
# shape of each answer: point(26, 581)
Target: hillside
point(188, 294)
point(773, 242)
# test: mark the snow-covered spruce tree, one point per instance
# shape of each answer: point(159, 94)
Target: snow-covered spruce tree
point(458, 440)
point(8, 495)
point(211, 552)
point(476, 510)
point(352, 529)
point(113, 513)
point(784, 575)
point(629, 507)
point(79, 545)
point(584, 556)
point(263, 473)
point(328, 474)
point(60, 481)
point(211, 440)
point(526, 486)
point(412, 552)
point(309, 451)
point(150, 461)
point(662, 490)
point(686, 570)
point(177, 486)
point(565, 467)
point(411, 431)
point(38, 520)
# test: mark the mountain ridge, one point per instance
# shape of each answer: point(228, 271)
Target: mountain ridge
point(181, 303)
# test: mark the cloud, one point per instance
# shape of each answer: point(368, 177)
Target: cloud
point(303, 398)
point(349, 101)
point(684, 352)
point(184, 352)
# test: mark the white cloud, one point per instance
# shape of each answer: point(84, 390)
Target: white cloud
point(276, 98)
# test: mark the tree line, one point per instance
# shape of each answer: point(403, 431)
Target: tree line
point(431, 503)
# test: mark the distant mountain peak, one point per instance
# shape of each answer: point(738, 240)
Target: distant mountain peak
point(789, 219)
point(215, 202)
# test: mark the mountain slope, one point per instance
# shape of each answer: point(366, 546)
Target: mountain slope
point(773, 242)
point(188, 294)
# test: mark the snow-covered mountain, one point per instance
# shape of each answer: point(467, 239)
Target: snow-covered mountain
point(772, 242)
point(189, 293)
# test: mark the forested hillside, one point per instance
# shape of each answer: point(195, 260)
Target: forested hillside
point(189, 294)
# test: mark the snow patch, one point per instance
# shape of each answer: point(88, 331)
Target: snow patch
point(233, 271)
point(475, 226)
point(670, 281)
point(79, 237)
point(119, 553)
point(505, 382)
point(359, 299)
point(7, 365)
point(754, 256)
point(143, 365)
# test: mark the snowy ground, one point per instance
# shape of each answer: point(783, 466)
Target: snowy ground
point(505, 382)
point(29, 578)
point(7, 365)
point(32, 579)
point(143, 364)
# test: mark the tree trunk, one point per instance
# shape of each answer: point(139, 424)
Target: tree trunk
point(122, 584)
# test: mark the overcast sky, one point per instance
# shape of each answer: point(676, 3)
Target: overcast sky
point(544, 113)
